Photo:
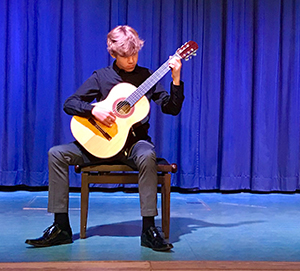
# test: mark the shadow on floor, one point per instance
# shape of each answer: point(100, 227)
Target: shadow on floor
point(133, 228)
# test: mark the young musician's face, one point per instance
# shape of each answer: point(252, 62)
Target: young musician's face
point(126, 63)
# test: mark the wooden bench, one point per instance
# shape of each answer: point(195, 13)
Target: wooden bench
point(123, 174)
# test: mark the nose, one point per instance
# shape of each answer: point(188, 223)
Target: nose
point(130, 59)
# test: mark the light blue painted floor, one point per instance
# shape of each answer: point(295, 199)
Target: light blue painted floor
point(204, 226)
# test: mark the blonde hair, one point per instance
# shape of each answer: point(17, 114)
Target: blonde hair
point(124, 41)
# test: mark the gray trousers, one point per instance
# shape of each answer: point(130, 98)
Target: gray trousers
point(60, 157)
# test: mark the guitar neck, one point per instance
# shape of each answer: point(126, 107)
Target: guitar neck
point(184, 52)
point(149, 83)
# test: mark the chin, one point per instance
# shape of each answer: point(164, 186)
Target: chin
point(130, 69)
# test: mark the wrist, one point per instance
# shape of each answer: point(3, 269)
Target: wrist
point(93, 111)
point(176, 82)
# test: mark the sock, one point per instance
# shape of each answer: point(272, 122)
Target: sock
point(62, 219)
point(148, 221)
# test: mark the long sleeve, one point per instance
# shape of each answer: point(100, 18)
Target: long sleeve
point(170, 103)
point(79, 102)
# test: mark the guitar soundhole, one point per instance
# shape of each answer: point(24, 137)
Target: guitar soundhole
point(123, 107)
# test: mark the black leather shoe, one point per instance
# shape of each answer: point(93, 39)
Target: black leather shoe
point(52, 236)
point(152, 238)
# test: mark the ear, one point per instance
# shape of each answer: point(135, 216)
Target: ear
point(112, 56)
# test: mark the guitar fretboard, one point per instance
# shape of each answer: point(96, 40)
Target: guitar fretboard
point(149, 83)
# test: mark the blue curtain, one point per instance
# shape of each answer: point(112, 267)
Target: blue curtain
point(240, 124)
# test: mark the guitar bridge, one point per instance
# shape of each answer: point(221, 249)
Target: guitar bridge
point(95, 124)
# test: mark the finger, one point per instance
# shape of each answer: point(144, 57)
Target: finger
point(171, 64)
point(107, 123)
point(112, 116)
point(111, 119)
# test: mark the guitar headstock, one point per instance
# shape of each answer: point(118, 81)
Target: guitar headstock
point(187, 50)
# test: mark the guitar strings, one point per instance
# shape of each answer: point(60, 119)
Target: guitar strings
point(144, 87)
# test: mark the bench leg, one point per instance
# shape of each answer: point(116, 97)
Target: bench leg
point(84, 204)
point(165, 204)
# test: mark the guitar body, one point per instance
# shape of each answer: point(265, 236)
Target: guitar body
point(105, 142)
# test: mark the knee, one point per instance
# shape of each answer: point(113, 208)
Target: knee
point(55, 154)
point(148, 158)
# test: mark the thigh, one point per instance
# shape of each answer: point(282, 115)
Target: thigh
point(141, 147)
point(70, 153)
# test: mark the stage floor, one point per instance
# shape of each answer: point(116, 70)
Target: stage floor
point(152, 266)
point(204, 227)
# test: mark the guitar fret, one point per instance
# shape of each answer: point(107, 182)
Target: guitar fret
point(148, 84)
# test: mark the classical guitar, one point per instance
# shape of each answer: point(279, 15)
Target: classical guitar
point(128, 104)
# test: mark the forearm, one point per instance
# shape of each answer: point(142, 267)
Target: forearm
point(175, 65)
point(75, 106)
point(80, 102)
point(172, 104)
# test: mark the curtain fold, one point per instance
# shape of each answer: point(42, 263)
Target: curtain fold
point(239, 128)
